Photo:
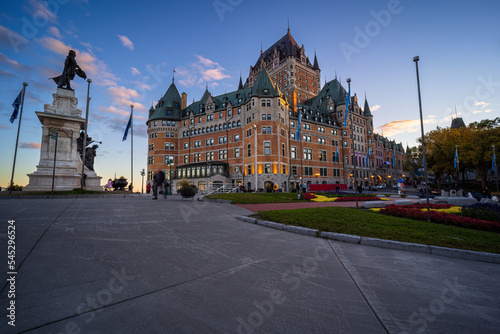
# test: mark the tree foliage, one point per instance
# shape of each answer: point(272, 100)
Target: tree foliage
point(474, 144)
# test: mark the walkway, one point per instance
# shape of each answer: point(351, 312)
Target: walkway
point(133, 265)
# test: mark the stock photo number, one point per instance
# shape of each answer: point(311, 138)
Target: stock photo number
point(11, 272)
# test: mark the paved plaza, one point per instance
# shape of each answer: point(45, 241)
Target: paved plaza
point(133, 265)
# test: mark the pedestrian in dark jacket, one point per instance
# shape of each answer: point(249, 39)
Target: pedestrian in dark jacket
point(158, 181)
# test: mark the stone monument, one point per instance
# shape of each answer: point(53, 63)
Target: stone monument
point(63, 117)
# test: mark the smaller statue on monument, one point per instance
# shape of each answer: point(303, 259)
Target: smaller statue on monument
point(70, 69)
point(90, 154)
point(79, 143)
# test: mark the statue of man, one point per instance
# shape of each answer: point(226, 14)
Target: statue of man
point(70, 69)
point(90, 154)
point(79, 143)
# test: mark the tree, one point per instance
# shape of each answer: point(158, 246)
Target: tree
point(474, 145)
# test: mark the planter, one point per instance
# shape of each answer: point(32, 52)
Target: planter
point(187, 193)
point(120, 184)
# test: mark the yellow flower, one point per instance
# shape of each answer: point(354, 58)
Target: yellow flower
point(375, 209)
point(453, 209)
point(320, 198)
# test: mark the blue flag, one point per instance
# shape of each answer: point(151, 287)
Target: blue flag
point(394, 158)
point(337, 155)
point(298, 126)
point(347, 101)
point(368, 157)
point(129, 124)
point(493, 162)
point(456, 158)
point(16, 105)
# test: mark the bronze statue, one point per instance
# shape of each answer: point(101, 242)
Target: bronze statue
point(90, 154)
point(70, 69)
point(79, 143)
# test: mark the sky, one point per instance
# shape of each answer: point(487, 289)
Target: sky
point(129, 50)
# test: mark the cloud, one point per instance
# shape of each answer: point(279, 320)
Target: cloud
point(12, 63)
point(55, 32)
point(114, 110)
point(123, 97)
point(6, 74)
point(9, 38)
point(482, 104)
point(405, 126)
point(3, 126)
point(488, 110)
point(32, 145)
point(477, 111)
point(40, 11)
point(141, 85)
point(135, 71)
point(203, 71)
point(375, 107)
point(126, 42)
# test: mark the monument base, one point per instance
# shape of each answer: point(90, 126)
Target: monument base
point(63, 118)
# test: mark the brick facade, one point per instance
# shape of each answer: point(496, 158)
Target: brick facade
point(212, 141)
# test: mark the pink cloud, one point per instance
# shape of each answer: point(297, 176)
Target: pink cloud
point(134, 71)
point(30, 145)
point(55, 32)
point(41, 10)
point(405, 126)
point(126, 42)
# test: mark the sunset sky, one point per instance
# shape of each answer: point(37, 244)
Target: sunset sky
point(129, 49)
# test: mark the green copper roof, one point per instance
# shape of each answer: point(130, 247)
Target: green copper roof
point(366, 109)
point(264, 86)
point(169, 106)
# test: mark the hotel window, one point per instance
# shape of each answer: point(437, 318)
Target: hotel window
point(249, 150)
point(294, 152)
point(163, 123)
point(292, 135)
point(249, 169)
point(239, 109)
point(263, 103)
point(236, 152)
point(283, 151)
point(167, 134)
point(185, 159)
point(238, 123)
point(322, 155)
point(267, 148)
point(186, 145)
point(267, 168)
point(150, 160)
point(151, 147)
point(236, 138)
point(323, 172)
point(156, 123)
point(345, 143)
point(268, 103)
point(167, 146)
point(222, 154)
point(292, 123)
point(307, 153)
point(263, 116)
point(172, 146)
point(249, 132)
point(268, 117)
point(283, 171)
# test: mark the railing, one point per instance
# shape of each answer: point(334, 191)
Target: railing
point(224, 189)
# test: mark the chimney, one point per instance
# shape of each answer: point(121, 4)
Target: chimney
point(184, 98)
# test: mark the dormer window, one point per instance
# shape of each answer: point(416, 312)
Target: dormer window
point(266, 91)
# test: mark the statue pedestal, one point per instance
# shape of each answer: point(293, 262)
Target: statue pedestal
point(63, 117)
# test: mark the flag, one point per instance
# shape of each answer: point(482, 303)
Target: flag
point(337, 155)
point(367, 157)
point(347, 101)
point(129, 124)
point(16, 105)
point(456, 158)
point(298, 126)
point(493, 162)
point(394, 158)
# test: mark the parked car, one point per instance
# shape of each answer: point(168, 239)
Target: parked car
point(382, 186)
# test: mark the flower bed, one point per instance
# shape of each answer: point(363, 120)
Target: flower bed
point(419, 212)
point(353, 199)
point(308, 196)
point(485, 211)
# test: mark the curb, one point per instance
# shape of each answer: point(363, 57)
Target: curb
point(69, 196)
point(382, 243)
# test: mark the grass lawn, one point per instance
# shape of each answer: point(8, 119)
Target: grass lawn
point(370, 224)
point(258, 198)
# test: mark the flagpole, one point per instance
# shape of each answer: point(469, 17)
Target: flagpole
point(416, 59)
point(355, 160)
point(84, 150)
point(17, 138)
point(494, 166)
point(131, 148)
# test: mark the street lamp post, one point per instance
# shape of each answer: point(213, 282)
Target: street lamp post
point(170, 163)
point(82, 180)
point(416, 59)
point(143, 172)
point(355, 159)
point(494, 166)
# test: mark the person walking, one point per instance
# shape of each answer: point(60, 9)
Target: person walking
point(159, 180)
point(148, 188)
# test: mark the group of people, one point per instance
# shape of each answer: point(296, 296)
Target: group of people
point(159, 181)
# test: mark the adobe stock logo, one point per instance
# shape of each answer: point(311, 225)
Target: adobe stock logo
point(372, 29)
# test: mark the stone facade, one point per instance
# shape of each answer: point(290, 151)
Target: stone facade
point(63, 117)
